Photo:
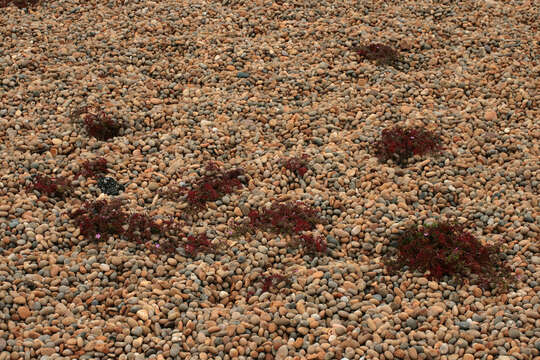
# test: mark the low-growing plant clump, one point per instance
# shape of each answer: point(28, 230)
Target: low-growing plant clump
point(297, 165)
point(285, 218)
point(212, 186)
point(312, 244)
point(400, 144)
point(98, 124)
point(447, 249)
point(101, 219)
point(382, 54)
point(94, 168)
point(21, 4)
point(57, 187)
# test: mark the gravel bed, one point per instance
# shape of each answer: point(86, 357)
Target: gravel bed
point(247, 84)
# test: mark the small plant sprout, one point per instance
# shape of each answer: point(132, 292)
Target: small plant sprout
point(313, 244)
point(195, 244)
point(212, 186)
point(59, 186)
point(99, 124)
point(382, 54)
point(399, 144)
point(297, 165)
point(285, 218)
point(93, 168)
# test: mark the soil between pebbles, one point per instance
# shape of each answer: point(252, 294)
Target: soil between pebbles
point(247, 83)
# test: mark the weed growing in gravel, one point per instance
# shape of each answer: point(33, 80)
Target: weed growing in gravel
point(270, 281)
point(59, 187)
point(285, 218)
point(399, 144)
point(21, 4)
point(100, 219)
point(382, 54)
point(99, 124)
point(313, 244)
point(297, 165)
point(195, 244)
point(212, 186)
point(447, 249)
point(93, 168)
point(141, 227)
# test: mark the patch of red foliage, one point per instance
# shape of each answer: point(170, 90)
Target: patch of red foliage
point(93, 168)
point(58, 186)
point(400, 144)
point(382, 54)
point(297, 165)
point(447, 249)
point(101, 219)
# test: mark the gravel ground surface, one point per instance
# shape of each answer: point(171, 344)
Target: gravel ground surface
point(247, 83)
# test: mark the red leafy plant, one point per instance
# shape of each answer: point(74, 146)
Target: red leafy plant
point(271, 281)
point(297, 165)
point(59, 186)
point(93, 168)
point(382, 54)
point(101, 219)
point(21, 4)
point(400, 144)
point(447, 249)
point(197, 243)
point(212, 186)
point(98, 124)
point(285, 218)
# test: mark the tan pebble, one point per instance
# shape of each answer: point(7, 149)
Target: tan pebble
point(435, 310)
point(406, 109)
point(490, 115)
point(468, 357)
point(155, 101)
point(45, 351)
point(137, 342)
point(318, 274)
point(313, 323)
point(282, 352)
point(142, 314)
point(356, 230)
point(477, 292)
point(116, 260)
point(412, 353)
point(469, 300)
point(371, 324)
point(57, 141)
point(433, 285)
point(422, 281)
point(213, 329)
point(237, 211)
point(23, 312)
point(102, 347)
point(340, 233)
point(68, 320)
point(400, 354)
point(60, 309)
point(21, 300)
